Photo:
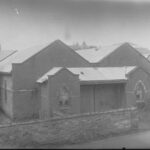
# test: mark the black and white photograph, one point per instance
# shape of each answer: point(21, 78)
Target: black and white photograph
point(74, 74)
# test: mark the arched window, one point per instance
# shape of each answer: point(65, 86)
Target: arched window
point(140, 90)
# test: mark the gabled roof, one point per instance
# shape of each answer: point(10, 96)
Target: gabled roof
point(93, 74)
point(96, 55)
point(23, 55)
point(18, 57)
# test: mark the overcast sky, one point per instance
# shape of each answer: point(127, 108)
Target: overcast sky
point(26, 23)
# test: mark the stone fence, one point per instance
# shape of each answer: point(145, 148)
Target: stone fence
point(74, 129)
point(90, 126)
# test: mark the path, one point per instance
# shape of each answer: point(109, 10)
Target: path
point(136, 140)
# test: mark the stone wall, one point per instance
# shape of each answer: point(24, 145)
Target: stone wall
point(72, 129)
point(89, 126)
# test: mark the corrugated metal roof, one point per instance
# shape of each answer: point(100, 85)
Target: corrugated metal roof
point(93, 74)
point(95, 55)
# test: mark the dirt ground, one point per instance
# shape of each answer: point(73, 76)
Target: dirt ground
point(134, 140)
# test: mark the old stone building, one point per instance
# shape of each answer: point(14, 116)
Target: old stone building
point(19, 71)
point(49, 79)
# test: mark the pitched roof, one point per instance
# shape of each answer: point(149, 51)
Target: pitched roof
point(18, 57)
point(96, 55)
point(23, 55)
point(93, 74)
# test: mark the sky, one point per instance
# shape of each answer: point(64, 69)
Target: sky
point(26, 23)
